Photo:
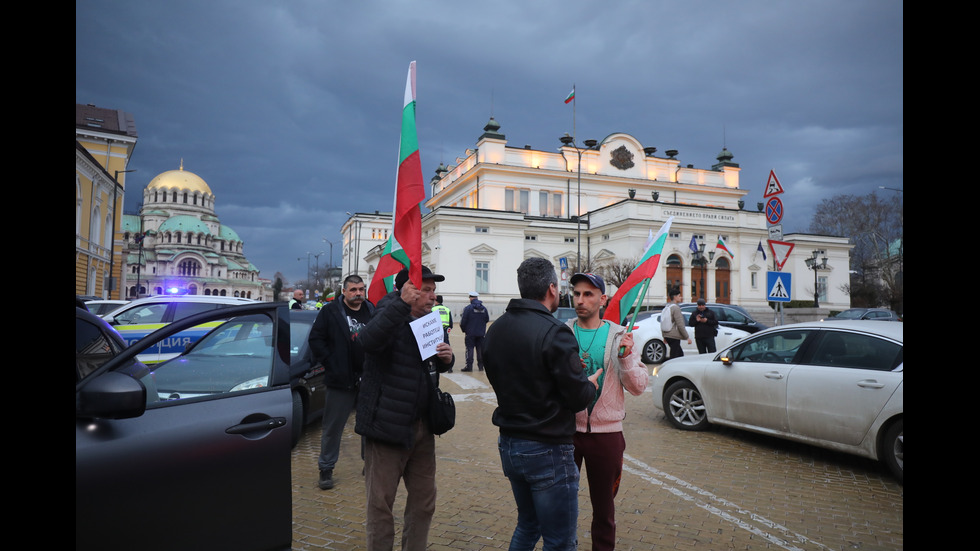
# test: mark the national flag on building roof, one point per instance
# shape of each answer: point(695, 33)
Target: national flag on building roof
point(632, 292)
point(721, 245)
point(571, 95)
point(404, 246)
point(761, 250)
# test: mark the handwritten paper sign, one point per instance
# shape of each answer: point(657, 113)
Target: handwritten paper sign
point(428, 333)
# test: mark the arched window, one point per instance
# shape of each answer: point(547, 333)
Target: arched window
point(189, 267)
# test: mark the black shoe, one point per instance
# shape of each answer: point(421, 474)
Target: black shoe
point(467, 369)
point(481, 369)
point(326, 479)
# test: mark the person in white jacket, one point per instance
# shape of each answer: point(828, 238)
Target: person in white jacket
point(599, 441)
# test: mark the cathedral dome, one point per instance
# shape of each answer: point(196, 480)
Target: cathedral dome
point(180, 179)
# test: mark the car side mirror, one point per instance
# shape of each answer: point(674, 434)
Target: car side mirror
point(727, 360)
point(112, 395)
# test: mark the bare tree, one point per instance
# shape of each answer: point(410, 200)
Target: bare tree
point(875, 227)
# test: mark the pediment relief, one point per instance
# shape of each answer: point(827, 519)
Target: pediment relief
point(483, 250)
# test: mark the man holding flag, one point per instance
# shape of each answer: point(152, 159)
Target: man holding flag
point(605, 348)
point(398, 445)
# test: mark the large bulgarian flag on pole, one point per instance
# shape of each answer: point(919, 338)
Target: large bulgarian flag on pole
point(632, 292)
point(404, 246)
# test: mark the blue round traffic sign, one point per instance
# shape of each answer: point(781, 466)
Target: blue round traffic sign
point(774, 210)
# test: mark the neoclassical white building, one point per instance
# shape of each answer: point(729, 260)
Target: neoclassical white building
point(178, 244)
point(598, 201)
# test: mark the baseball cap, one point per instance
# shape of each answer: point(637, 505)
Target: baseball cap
point(701, 302)
point(594, 279)
point(402, 276)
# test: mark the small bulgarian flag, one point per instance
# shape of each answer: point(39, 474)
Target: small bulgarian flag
point(634, 289)
point(571, 95)
point(721, 245)
point(404, 246)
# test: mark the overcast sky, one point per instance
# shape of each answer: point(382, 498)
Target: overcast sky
point(290, 110)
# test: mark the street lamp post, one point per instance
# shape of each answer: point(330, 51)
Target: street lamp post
point(569, 141)
point(700, 260)
point(316, 272)
point(812, 264)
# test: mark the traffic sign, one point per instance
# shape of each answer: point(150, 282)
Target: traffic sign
point(776, 232)
point(772, 186)
point(774, 210)
point(780, 252)
point(779, 284)
point(563, 263)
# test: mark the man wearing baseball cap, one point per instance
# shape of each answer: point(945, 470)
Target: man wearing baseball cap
point(599, 441)
point(392, 412)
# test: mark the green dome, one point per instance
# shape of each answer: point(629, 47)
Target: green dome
point(184, 223)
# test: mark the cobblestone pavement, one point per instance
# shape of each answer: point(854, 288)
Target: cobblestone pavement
point(716, 490)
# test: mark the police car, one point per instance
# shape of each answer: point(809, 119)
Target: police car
point(143, 316)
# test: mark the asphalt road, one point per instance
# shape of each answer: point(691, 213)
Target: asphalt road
point(715, 490)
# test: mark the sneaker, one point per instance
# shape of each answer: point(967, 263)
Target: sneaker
point(326, 479)
point(467, 369)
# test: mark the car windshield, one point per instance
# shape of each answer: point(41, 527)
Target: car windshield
point(236, 356)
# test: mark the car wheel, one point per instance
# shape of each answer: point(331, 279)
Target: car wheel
point(893, 449)
point(654, 352)
point(685, 407)
point(299, 418)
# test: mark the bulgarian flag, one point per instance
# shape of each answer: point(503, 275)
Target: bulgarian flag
point(571, 95)
point(721, 245)
point(404, 246)
point(634, 289)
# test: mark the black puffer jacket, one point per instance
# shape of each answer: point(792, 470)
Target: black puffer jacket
point(533, 365)
point(394, 392)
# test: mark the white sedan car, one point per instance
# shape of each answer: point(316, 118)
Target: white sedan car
point(647, 334)
point(837, 386)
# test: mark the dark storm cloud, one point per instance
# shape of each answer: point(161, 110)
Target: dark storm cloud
point(291, 110)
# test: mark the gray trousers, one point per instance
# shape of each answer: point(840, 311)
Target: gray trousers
point(336, 412)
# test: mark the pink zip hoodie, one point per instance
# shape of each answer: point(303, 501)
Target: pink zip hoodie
point(627, 372)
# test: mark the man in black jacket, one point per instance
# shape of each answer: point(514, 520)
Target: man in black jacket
point(533, 364)
point(392, 410)
point(333, 341)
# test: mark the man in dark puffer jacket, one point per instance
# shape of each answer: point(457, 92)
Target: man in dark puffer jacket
point(391, 414)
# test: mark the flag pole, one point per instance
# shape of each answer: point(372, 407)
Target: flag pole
point(640, 299)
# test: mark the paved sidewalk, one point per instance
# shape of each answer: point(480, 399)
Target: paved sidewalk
point(720, 489)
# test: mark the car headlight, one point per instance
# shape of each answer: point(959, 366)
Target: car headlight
point(257, 382)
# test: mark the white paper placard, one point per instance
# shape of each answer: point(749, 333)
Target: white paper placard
point(428, 333)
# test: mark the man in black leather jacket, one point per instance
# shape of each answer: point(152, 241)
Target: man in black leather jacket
point(391, 414)
point(533, 364)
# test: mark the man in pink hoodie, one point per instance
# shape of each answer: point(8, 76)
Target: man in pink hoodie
point(598, 437)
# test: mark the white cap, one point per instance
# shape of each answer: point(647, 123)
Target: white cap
point(474, 294)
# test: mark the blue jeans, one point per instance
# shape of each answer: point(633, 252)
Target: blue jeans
point(544, 480)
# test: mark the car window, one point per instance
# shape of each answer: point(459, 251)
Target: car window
point(234, 357)
point(92, 348)
point(187, 309)
point(145, 313)
point(777, 347)
point(298, 332)
point(854, 350)
point(735, 316)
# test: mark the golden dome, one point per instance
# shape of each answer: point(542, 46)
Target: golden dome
point(180, 179)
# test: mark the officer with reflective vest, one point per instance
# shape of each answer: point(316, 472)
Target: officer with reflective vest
point(445, 314)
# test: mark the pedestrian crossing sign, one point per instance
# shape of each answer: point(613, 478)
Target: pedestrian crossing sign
point(779, 285)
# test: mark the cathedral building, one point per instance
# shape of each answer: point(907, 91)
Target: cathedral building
point(177, 244)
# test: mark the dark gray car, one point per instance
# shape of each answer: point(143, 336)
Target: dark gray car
point(729, 315)
point(189, 463)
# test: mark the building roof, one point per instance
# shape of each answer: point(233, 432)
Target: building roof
point(114, 121)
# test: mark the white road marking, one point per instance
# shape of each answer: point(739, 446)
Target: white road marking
point(739, 516)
